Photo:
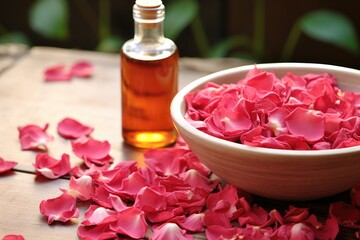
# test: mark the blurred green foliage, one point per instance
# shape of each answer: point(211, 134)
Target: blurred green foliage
point(50, 19)
point(324, 25)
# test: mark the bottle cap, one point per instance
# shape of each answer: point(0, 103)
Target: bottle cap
point(148, 12)
point(148, 3)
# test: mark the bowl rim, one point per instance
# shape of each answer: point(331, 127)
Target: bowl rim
point(179, 100)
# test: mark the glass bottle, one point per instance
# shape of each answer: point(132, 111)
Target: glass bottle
point(149, 79)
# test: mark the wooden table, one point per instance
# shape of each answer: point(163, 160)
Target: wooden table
point(25, 98)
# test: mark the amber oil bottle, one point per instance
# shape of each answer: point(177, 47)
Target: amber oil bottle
point(149, 79)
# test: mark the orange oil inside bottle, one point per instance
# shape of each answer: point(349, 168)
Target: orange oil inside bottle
point(147, 88)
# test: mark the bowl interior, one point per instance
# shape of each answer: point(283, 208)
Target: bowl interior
point(348, 79)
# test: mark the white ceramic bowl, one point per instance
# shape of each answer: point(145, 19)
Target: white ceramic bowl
point(273, 173)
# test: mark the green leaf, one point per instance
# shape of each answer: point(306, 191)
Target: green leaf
point(178, 15)
point(14, 37)
point(110, 44)
point(332, 27)
point(50, 18)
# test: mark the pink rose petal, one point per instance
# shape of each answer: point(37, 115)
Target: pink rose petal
point(307, 123)
point(50, 167)
point(82, 69)
point(102, 196)
point(33, 137)
point(170, 231)
point(92, 151)
point(219, 232)
point(261, 81)
point(251, 215)
point(196, 179)
point(301, 231)
point(81, 188)
point(212, 218)
point(347, 215)
point(131, 222)
point(90, 148)
point(13, 237)
point(62, 208)
point(96, 215)
point(126, 185)
point(117, 203)
point(329, 230)
point(224, 201)
point(6, 165)
point(99, 232)
point(57, 73)
point(151, 199)
point(164, 216)
point(193, 223)
point(167, 161)
point(72, 129)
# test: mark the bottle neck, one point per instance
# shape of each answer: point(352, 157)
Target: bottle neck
point(149, 34)
point(148, 23)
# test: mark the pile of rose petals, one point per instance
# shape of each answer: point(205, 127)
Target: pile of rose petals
point(61, 72)
point(174, 196)
point(308, 112)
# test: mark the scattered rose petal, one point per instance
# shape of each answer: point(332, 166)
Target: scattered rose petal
point(117, 203)
point(92, 151)
point(82, 69)
point(61, 72)
point(218, 232)
point(329, 230)
point(216, 219)
point(99, 232)
point(193, 223)
point(179, 196)
point(295, 215)
point(131, 222)
point(72, 129)
point(96, 215)
point(50, 167)
point(62, 208)
point(301, 231)
point(166, 162)
point(224, 201)
point(170, 231)
point(57, 73)
point(196, 179)
point(102, 196)
point(347, 215)
point(166, 215)
point(251, 215)
point(6, 165)
point(33, 137)
point(151, 199)
point(81, 188)
point(128, 186)
point(13, 237)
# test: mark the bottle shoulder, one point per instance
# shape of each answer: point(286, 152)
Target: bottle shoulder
point(149, 50)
